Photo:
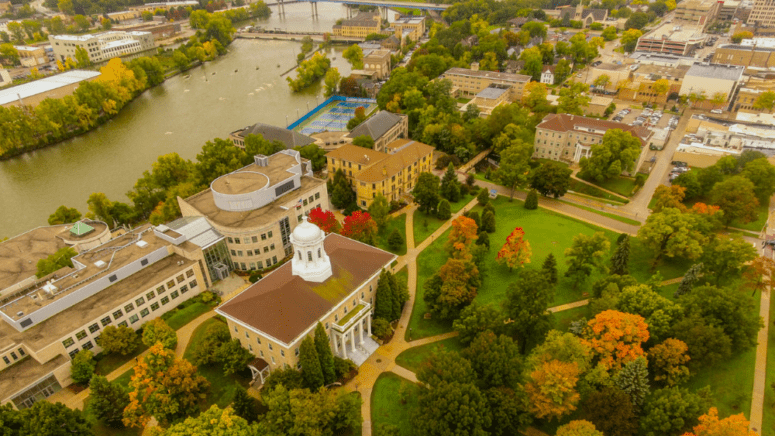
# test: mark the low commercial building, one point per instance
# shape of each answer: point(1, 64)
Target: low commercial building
point(755, 53)
point(672, 39)
point(57, 86)
point(491, 97)
point(391, 174)
point(728, 10)
point(5, 6)
point(158, 30)
point(331, 281)
point(290, 138)
point(469, 82)
point(568, 138)
point(750, 92)
point(31, 56)
point(125, 282)
point(384, 127)
point(378, 62)
point(697, 12)
point(5, 78)
point(165, 6)
point(616, 73)
point(101, 46)
point(256, 207)
point(661, 59)
point(364, 24)
point(409, 27)
point(124, 16)
point(547, 75)
point(710, 80)
point(640, 85)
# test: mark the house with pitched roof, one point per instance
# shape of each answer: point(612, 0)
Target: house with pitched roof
point(568, 138)
point(391, 174)
point(290, 138)
point(547, 75)
point(384, 128)
point(332, 280)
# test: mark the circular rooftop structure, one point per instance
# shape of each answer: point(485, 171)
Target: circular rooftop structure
point(241, 191)
point(306, 233)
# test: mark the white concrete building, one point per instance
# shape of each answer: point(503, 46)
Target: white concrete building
point(101, 46)
point(711, 79)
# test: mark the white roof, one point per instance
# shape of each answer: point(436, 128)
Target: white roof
point(47, 84)
point(119, 43)
point(27, 48)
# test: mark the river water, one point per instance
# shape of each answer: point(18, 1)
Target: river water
point(234, 91)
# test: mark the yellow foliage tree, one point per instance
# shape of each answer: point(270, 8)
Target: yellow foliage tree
point(710, 425)
point(552, 389)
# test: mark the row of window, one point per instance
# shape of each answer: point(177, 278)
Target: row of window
point(256, 252)
point(14, 356)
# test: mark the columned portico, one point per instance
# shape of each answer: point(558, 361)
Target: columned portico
point(352, 334)
point(582, 150)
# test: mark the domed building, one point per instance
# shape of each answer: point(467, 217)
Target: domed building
point(331, 279)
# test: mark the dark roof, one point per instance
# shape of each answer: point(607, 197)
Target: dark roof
point(519, 21)
point(746, 47)
point(376, 126)
point(290, 138)
point(716, 71)
point(565, 122)
point(597, 14)
point(390, 40)
point(283, 306)
point(548, 68)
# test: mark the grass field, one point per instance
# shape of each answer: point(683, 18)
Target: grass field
point(421, 231)
point(621, 185)
point(605, 214)
point(397, 223)
point(386, 408)
point(412, 358)
point(768, 423)
point(547, 232)
point(583, 188)
point(758, 225)
point(187, 314)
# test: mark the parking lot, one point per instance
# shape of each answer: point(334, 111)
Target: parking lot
point(646, 117)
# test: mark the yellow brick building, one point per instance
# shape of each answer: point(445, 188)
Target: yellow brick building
point(391, 174)
point(468, 83)
point(361, 26)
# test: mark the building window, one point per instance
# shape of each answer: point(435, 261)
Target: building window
point(144, 312)
point(233, 253)
point(255, 239)
point(282, 353)
point(7, 362)
point(14, 356)
point(270, 346)
point(68, 342)
point(88, 346)
point(123, 324)
point(362, 296)
point(269, 233)
point(231, 241)
point(190, 273)
point(21, 352)
point(299, 218)
point(336, 318)
point(183, 289)
point(174, 295)
point(326, 326)
point(297, 351)
point(140, 301)
point(258, 340)
point(271, 247)
point(81, 335)
point(274, 259)
point(180, 278)
point(128, 308)
point(150, 296)
point(250, 252)
point(261, 353)
point(105, 321)
point(165, 300)
point(263, 236)
point(192, 284)
point(236, 240)
point(317, 195)
point(273, 362)
point(305, 202)
point(93, 328)
point(247, 335)
point(161, 290)
point(250, 348)
point(155, 306)
point(134, 318)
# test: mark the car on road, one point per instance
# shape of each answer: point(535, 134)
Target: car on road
point(716, 111)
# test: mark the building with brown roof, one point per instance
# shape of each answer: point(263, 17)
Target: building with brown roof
point(126, 281)
point(384, 127)
point(271, 133)
point(371, 172)
point(363, 25)
point(256, 207)
point(468, 83)
point(568, 138)
point(332, 280)
point(579, 13)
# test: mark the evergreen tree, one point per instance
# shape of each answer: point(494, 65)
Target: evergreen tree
point(450, 185)
point(621, 258)
point(326, 357)
point(549, 268)
point(633, 379)
point(489, 207)
point(400, 295)
point(395, 240)
point(244, 405)
point(108, 401)
point(444, 211)
point(531, 202)
point(310, 365)
point(488, 222)
point(483, 240)
point(474, 215)
point(383, 301)
point(484, 197)
point(690, 279)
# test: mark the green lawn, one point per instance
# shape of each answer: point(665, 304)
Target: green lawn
point(222, 386)
point(386, 408)
point(563, 319)
point(621, 185)
point(422, 231)
point(125, 378)
point(107, 363)
point(768, 423)
point(397, 223)
point(605, 214)
point(184, 316)
point(412, 358)
point(547, 232)
point(757, 225)
point(582, 188)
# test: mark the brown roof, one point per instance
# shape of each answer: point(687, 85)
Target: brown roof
point(283, 306)
point(408, 153)
point(355, 154)
point(565, 122)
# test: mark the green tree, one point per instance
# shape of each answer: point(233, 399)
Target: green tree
point(609, 33)
point(451, 408)
point(364, 141)
point(618, 151)
point(157, 331)
point(120, 340)
point(206, 351)
point(630, 39)
point(107, 401)
point(707, 343)
point(476, 319)
point(633, 379)
point(9, 55)
point(672, 233)
point(621, 258)
point(762, 174)
point(533, 62)
point(180, 60)
point(323, 348)
point(245, 406)
point(45, 418)
point(395, 240)
point(426, 192)
point(354, 56)
point(488, 222)
point(725, 257)
point(82, 57)
point(55, 262)
point(383, 300)
point(612, 412)
point(152, 67)
point(673, 411)
point(659, 312)
point(496, 360)
point(301, 412)
point(331, 81)
point(450, 185)
point(638, 20)
point(233, 356)
point(573, 99)
point(83, 366)
point(315, 154)
point(531, 201)
point(689, 279)
point(526, 304)
point(549, 269)
point(586, 254)
point(562, 70)
point(214, 421)
point(765, 101)
point(342, 194)
point(17, 30)
point(483, 197)
point(578, 428)
point(514, 165)
point(551, 178)
point(444, 210)
point(379, 209)
point(667, 361)
point(736, 197)
point(311, 371)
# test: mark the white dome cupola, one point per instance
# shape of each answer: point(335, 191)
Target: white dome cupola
point(310, 261)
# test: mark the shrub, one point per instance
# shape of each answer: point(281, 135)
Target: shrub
point(531, 202)
point(444, 211)
point(470, 180)
point(255, 276)
point(343, 367)
point(395, 240)
point(483, 197)
point(464, 190)
point(121, 340)
point(82, 367)
point(381, 328)
point(156, 330)
point(207, 296)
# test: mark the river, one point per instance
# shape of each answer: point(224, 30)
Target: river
point(234, 91)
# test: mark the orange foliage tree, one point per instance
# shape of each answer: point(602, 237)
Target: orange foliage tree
point(463, 233)
point(616, 337)
point(710, 425)
point(668, 360)
point(164, 387)
point(361, 227)
point(759, 275)
point(516, 251)
point(552, 389)
point(324, 219)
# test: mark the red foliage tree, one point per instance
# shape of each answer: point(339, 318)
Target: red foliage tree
point(516, 251)
point(361, 227)
point(325, 220)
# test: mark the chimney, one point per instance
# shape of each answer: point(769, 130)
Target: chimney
point(474, 66)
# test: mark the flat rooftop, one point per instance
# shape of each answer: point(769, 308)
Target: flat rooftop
point(661, 70)
point(492, 92)
point(204, 203)
point(116, 254)
point(19, 255)
point(24, 373)
point(676, 33)
point(716, 71)
point(66, 321)
point(284, 306)
point(488, 74)
point(47, 84)
point(253, 177)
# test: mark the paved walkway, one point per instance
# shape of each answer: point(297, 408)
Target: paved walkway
point(760, 373)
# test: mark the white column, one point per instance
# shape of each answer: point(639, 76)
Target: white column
point(344, 347)
point(352, 338)
point(369, 323)
point(360, 330)
point(336, 344)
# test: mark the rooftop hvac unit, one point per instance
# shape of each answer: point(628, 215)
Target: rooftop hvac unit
point(100, 264)
point(49, 288)
point(19, 313)
point(142, 244)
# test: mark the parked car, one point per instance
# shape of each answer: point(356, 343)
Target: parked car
point(716, 111)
